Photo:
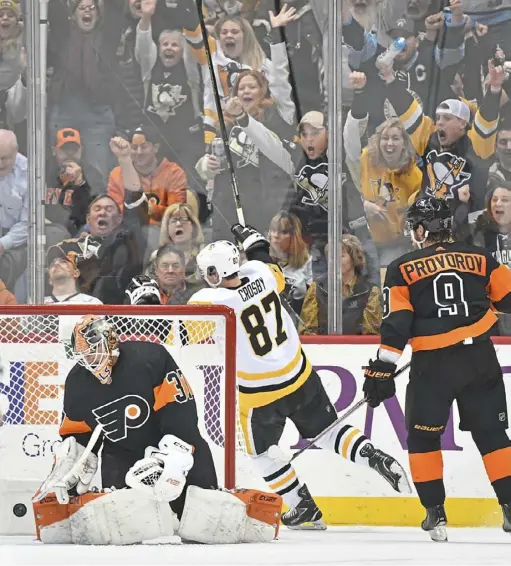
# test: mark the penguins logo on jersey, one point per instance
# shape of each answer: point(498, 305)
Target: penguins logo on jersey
point(384, 193)
point(116, 417)
point(231, 72)
point(314, 180)
point(166, 99)
point(446, 173)
point(241, 145)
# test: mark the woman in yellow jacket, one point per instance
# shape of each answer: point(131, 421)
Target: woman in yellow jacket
point(385, 172)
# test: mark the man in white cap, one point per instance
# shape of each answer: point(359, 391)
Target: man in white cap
point(454, 150)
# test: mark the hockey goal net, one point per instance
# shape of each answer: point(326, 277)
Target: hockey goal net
point(35, 358)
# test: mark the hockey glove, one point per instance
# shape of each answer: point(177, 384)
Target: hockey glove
point(163, 470)
point(59, 481)
point(249, 238)
point(379, 382)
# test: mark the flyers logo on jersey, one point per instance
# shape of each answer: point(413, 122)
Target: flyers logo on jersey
point(446, 173)
point(116, 417)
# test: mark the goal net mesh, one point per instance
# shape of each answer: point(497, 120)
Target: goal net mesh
point(35, 358)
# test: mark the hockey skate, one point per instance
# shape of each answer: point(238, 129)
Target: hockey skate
point(306, 515)
point(506, 511)
point(389, 468)
point(435, 522)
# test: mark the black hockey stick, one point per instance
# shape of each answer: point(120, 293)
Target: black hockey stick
point(221, 121)
point(342, 418)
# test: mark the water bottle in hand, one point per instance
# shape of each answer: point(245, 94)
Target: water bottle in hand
point(395, 48)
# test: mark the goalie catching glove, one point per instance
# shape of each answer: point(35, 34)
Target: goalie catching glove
point(379, 381)
point(161, 474)
point(60, 481)
point(249, 238)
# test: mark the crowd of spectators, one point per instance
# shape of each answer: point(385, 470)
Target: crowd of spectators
point(137, 180)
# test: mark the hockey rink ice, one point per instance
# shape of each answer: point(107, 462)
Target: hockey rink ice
point(338, 545)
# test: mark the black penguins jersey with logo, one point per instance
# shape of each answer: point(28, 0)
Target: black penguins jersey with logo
point(148, 398)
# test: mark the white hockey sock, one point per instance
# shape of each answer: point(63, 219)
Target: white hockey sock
point(280, 477)
point(347, 441)
point(285, 482)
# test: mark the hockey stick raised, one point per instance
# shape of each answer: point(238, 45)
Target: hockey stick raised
point(43, 491)
point(221, 121)
point(342, 418)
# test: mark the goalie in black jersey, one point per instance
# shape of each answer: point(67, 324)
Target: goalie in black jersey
point(150, 442)
point(442, 298)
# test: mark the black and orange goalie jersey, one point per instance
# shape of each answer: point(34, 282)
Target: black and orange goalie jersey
point(442, 295)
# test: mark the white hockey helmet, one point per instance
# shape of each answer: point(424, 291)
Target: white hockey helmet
point(218, 260)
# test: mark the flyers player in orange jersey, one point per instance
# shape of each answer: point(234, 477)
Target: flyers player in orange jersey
point(442, 297)
point(151, 443)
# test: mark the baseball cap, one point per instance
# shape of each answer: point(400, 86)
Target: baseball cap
point(144, 134)
point(313, 118)
point(68, 135)
point(10, 5)
point(56, 254)
point(403, 28)
point(454, 107)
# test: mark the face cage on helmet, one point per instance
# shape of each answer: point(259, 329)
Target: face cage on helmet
point(102, 359)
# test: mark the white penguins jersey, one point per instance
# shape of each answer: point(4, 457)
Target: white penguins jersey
point(269, 357)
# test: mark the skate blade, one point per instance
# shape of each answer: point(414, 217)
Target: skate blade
point(318, 525)
point(404, 485)
point(438, 534)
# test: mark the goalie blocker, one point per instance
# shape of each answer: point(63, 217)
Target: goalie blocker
point(128, 516)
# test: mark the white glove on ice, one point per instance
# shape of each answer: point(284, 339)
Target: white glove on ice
point(58, 482)
point(162, 472)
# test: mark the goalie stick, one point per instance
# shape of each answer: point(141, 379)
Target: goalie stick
point(342, 418)
point(43, 491)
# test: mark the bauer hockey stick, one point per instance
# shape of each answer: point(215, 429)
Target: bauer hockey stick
point(48, 486)
point(342, 418)
point(221, 121)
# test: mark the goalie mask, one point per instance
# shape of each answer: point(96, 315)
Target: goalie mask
point(95, 346)
point(143, 290)
point(217, 261)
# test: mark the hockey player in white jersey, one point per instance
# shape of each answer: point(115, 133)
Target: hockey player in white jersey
point(276, 381)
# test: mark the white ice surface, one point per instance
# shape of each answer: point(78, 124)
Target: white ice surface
point(340, 545)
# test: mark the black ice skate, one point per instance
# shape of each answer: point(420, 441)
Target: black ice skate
point(506, 511)
point(435, 523)
point(387, 467)
point(305, 515)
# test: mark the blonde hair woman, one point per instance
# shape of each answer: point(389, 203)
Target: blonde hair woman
point(289, 250)
point(181, 228)
point(362, 304)
point(238, 50)
point(386, 174)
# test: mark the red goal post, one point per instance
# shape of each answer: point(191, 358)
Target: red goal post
point(35, 359)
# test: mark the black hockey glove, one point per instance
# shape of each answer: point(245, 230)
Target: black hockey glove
point(249, 238)
point(379, 382)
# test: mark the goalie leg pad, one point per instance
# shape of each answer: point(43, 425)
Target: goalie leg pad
point(212, 517)
point(222, 517)
point(117, 518)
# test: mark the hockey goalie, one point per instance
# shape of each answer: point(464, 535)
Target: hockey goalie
point(157, 471)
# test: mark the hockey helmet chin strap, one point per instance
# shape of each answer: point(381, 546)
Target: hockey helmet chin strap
point(419, 243)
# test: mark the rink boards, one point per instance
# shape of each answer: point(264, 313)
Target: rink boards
point(346, 493)
point(350, 494)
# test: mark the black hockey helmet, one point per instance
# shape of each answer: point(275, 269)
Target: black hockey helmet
point(433, 214)
point(143, 290)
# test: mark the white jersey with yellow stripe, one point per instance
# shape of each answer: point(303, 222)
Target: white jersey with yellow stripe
point(269, 358)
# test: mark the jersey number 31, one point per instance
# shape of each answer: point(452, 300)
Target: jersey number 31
point(254, 322)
